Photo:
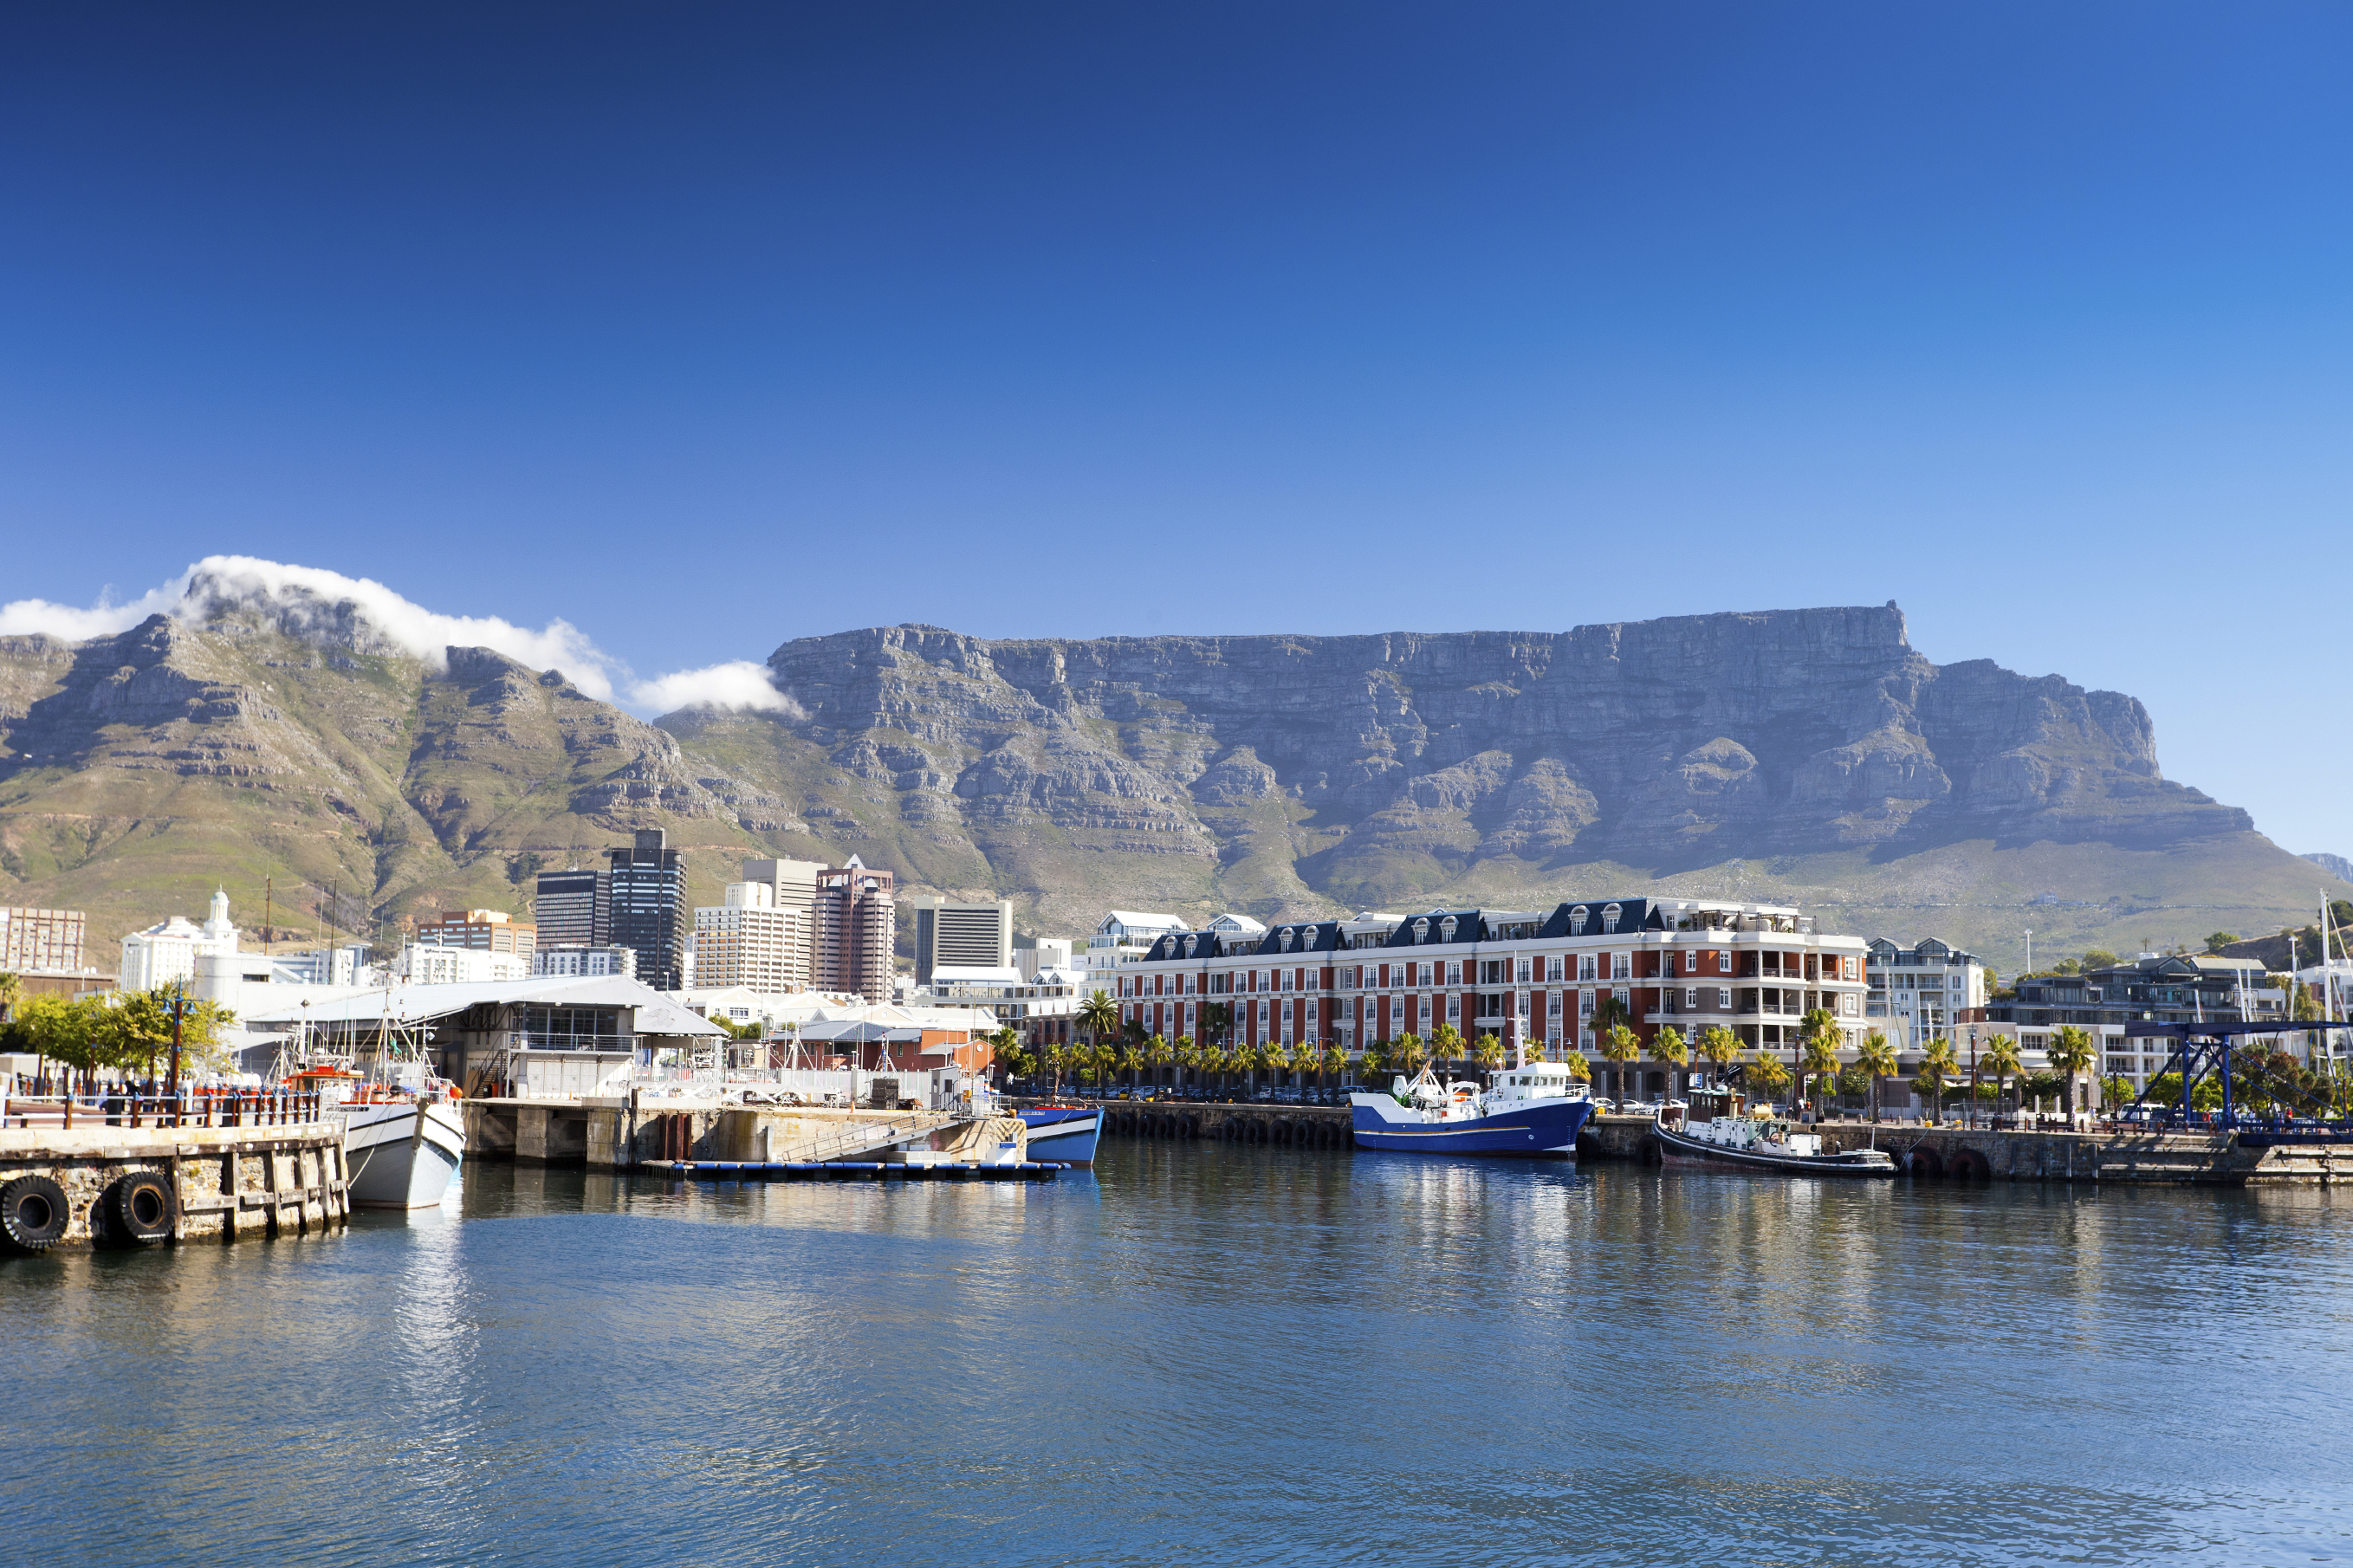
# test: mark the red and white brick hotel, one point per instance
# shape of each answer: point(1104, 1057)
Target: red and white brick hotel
point(1517, 974)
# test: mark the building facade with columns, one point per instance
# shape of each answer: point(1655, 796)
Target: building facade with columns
point(1533, 979)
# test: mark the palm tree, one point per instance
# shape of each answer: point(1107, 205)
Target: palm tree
point(1611, 1015)
point(1721, 1047)
point(1621, 1045)
point(1266, 1057)
point(1098, 1016)
point(1332, 1063)
point(1667, 1046)
point(2070, 1051)
point(1303, 1058)
point(1579, 1071)
point(1818, 1042)
point(1488, 1052)
point(1999, 1058)
point(1011, 1057)
point(1446, 1042)
point(1938, 1067)
point(1876, 1058)
point(1158, 1053)
point(1767, 1074)
point(1410, 1053)
point(12, 991)
point(1374, 1057)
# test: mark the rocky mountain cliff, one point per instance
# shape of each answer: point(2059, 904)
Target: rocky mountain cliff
point(1809, 754)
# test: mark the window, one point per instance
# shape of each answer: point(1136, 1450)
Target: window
point(1691, 1000)
point(1610, 917)
point(1625, 998)
point(1553, 1009)
point(1724, 962)
point(1622, 966)
point(1584, 968)
point(1524, 972)
point(1454, 1007)
point(1554, 968)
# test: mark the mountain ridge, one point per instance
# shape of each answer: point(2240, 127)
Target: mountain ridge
point(1807, 753)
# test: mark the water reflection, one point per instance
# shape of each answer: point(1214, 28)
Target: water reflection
point(1206, 1353)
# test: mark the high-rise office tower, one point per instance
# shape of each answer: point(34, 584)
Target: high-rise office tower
point(575, 908)
point(966, 936)
point(857, 931)
point(793, 884)
point(746, 941)
point(650, 911)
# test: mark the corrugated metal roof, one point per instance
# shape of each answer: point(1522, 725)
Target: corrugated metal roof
point(656, 1014)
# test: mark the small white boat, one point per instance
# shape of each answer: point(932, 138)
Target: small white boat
point(402, 1145)
point(1733, 1139)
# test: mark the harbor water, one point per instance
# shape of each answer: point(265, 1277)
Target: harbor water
point(1202, 1354)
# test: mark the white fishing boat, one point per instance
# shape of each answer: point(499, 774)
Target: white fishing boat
point(403, 1130)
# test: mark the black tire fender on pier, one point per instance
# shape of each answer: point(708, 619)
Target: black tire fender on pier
point(139, 1208)
point(33, 1213)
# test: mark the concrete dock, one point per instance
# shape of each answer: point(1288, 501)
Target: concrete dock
point(630, 1132)
point(225, 1183)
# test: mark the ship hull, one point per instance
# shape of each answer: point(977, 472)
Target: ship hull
point(396, 1164)
point(1676, 1149)
point(1064, 1135)
point(1538, 1128)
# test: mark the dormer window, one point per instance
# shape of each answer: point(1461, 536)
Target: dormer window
point(1307, 939)
point(1610, 916)
point(1421, 930)
point(1446, 929)
point(1283, 941)
point(1190, 942)
point(1576, 918)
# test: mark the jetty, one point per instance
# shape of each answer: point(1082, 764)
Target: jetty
point(641, 1131)
point(129, 1171)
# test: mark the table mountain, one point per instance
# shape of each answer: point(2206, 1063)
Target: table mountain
point(1805, 753)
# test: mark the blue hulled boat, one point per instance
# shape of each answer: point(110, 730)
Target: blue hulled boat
point(1067, 1134)
point(1534, 1109)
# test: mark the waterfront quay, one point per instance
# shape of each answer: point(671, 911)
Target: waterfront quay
point(638, 1132)
point(130, 1186)
point(1960, 1153)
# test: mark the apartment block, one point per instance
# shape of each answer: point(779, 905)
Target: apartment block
point(793, 884)
point(482, 930)
point(42, 940)
point(857, 931)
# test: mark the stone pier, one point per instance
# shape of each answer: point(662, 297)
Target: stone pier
point(226, 1182)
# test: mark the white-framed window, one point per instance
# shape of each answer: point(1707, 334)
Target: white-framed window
point(1552, 1007)
point(1724, 962)
point(1691, 1000)
point(1453, 1008)
point(1553, 969)
point(1584, 968)
point(1625, 998)
point(1621, 966)
point(1585, 1003)
point(1524, 972)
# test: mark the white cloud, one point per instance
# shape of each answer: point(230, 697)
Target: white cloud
point(737, 684)
point(307, 596)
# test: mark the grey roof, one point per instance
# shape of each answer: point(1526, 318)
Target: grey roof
point(656, 1014)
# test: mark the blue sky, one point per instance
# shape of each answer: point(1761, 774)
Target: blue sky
point(702, 327)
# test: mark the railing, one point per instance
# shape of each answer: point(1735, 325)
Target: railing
point(190, 1108)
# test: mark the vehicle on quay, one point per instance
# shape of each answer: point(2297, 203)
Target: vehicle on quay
point(1533, 1108)
point(1734, 1138)
point(1064, 1134)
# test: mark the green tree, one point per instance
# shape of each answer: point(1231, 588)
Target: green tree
point(1608, 1013)
point(1014, 1059)
point(1331, 1063)
point(1159, 1051)
point(1374, 1057)
point(2098, 958)
point(12, 991)
point(1938, 1067)
point(1667, 1046)
point(1488, 1052)
point(65, 1032)
point(2117, 1090)
point(1621, 1046)
point(1446, 1042)
point(1818, 1043)
point(1412, 1053)
point(2071, 1055)
point(1766, 1076)
point(1303, 1058)
point(2000, 1059)
point(1877, 1059)
point(2216, 940)
point(1580, 1069)
point(1721, 1047)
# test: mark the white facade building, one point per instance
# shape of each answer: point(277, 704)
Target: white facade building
point(166, 953)
point(1918, 992)
point(424, 965)
point(748, 940)
point(586, 963)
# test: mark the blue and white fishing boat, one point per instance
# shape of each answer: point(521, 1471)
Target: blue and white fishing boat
point(1064, 1133)
point(1534, 1109)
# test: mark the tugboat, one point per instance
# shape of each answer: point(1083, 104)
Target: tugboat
point(1534, 1109)
point(1733, 1139)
